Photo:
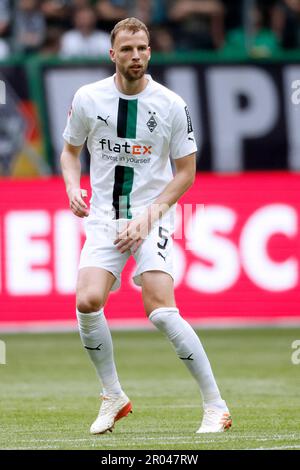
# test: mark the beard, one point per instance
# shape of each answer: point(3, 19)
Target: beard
point(132, 75)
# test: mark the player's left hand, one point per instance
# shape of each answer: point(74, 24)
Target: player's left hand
point(133, 235)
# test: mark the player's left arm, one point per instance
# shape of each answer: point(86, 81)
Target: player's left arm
point(137, 229)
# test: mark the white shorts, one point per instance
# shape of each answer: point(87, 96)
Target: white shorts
point(154, 254)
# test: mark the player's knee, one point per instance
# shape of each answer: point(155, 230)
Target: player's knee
point(89, 302)
point(153, 302)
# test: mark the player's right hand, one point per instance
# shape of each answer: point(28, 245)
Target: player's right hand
point(77, 204)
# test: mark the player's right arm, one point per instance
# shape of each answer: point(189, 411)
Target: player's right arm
point(71, 170)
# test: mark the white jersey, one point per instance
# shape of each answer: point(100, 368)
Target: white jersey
point(130, 139)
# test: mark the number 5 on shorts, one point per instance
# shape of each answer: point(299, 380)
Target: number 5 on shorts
point(164, 237)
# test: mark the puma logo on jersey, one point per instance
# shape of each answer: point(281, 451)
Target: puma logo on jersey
point(102, 119)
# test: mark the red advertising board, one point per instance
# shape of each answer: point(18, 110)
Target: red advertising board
point(237, 254)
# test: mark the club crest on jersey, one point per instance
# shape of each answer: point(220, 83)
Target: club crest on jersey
point(152, 122)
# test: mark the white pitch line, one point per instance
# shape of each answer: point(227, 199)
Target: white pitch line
point(276, 448)
point(116, 440)
point(195, 438)
point(112, 445)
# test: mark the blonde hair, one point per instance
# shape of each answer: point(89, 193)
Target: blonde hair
point(130, 24)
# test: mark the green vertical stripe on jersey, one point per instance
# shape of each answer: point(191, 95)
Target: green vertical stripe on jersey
point(127, 117)
point(121, 192)
point(131, 119)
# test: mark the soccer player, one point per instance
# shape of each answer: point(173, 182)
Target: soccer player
point(132, 125)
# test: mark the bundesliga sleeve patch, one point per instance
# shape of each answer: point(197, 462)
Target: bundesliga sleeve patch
point(189, 121)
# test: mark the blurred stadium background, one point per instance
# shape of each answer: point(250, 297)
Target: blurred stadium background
point(237, 64)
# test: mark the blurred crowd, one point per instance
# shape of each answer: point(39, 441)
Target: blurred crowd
point(70, 28)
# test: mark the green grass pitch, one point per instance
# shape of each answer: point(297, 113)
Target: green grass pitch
point(49, 390)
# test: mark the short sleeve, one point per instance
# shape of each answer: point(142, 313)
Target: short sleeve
point(182, 137)
point(76, 130)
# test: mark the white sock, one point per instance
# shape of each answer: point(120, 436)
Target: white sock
point(190, 350)
point(96, 338)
